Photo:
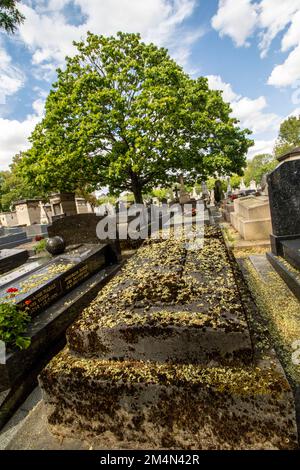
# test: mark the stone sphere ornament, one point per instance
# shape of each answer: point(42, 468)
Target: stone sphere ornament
point(55, 245)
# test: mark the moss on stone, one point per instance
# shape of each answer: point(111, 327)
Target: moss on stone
point(162, 274)
point(247, 381)
point(281, 310)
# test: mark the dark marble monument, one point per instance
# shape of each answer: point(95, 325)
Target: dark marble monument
point(284, 194)
point(47, 294)
point(57, 277)
point(12, 258)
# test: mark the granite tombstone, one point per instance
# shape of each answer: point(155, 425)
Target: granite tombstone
point(284, 194)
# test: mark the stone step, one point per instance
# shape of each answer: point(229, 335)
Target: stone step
point(169, 406)
point(165, 335)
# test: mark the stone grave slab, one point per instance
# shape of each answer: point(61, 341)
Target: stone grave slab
point(7, 279)
point(82, 227)
point(50, 324)
point(13, 239)
point(135, 356)
point(162, 307)
point(12, 258)
point(165, 406)
point(50, 282)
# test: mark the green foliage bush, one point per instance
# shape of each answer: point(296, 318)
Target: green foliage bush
point(40, 246)
point(13, 324)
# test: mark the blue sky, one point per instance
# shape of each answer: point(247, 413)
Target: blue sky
point(248, 48)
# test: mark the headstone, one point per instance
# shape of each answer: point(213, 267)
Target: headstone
point(195, 194)
point(264, 185)
point(81, 228)
point(184, 196)
point(253, 185)
point(8, 219)
point(83, 207)
point(284, 193)
point(251, 217)
point(242, 185)
point(63, 204)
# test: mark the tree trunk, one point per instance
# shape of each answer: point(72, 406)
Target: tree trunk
point(136, 189)
point(138, 196)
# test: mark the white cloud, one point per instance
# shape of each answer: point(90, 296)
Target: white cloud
point(14, 138)
point(287, 73)
point(14, 134)
point(261, 146)
point(49, 36)
point(236, 19)
point(39, 106)
point(239, 20)
point(292, 36)
point(11, 78)
point(250, 112)
point(274, 16)
point(215, 82)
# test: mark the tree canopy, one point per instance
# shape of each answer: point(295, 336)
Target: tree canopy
point(258, 166)
point(289, 136)
point(10, 17)
point(123, 114)
point(13, 187)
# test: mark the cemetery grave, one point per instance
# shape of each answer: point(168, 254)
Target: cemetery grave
point(51, 293)
point(274, 280)
point(171, 354)
point(284, 191)
point(281, 313)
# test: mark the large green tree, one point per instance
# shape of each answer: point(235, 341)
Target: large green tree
point(289, 136)
point(125, 115)
point(13, 187)
point(259, 166)
point(10, 16)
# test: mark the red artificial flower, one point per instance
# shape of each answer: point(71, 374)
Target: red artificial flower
point(11, 290)
point(28, 302)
